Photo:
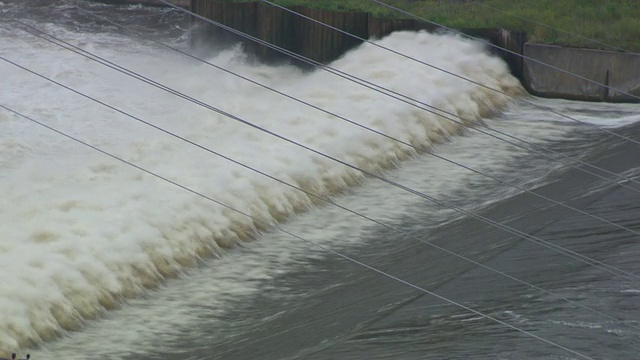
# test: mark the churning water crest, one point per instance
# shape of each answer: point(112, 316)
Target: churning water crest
point(81, 233)
point(92, 230)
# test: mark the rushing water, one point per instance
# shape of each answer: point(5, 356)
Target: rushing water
point(102, 260)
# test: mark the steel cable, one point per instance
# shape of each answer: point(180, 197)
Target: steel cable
point(291, 97)
point(415, 102)
point(325, 248)
point(566, 252)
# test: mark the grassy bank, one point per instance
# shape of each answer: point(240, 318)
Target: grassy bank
point(612, 22)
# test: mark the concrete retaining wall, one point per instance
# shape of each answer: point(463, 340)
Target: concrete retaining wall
point(277, 27)
point(312, 40)
point(617, 70)
point(287, 30)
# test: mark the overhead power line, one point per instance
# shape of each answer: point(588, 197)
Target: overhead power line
point(417, 148)
point(4, 107)
point(536, 240)
point(567, 72)
point(207, 106)
point(417, 103)
point(105, 62)
point(467, 79)
point(325, 248)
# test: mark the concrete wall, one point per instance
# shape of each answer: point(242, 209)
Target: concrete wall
point(312, 40)
point(319, 43)
point(277, 27)
point(617, 70)
point(285, 29)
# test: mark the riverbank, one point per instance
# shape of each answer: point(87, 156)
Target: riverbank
point(572, 72)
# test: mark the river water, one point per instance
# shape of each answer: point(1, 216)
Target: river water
point(104, 260)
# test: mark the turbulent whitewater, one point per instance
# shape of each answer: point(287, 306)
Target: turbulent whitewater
point(80, 232)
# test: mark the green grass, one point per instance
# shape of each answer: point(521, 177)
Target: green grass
point(612, 22)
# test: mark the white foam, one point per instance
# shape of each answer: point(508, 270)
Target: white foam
point(204, 301)
point(81, 231)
